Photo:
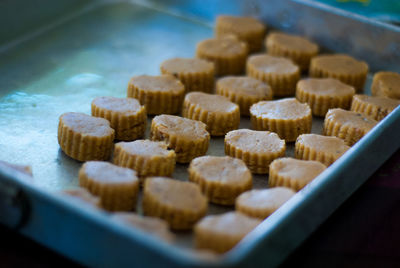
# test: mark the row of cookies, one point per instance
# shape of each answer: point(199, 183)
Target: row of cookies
point(321, 94)
point(303, 53)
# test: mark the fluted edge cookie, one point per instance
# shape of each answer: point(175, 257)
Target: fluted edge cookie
point(217, 112)
point(26, 169)
point(386, 84)
point(299, 49)
point(116, 186)
point(151, 225)
point(196, 74)
point(179, 203)
point(227, 53)
point(325, 149)
point(244, 91)
point(261, 203)
point(188, 138)
point(147, 158)
point(162, 94)
point(342, 67)
point(323, 94)
point(82, 195)
point(374, 107)
point(287, 117)
point(280, 73)
point(293, 173)
point(127, 117)
point(247, 29)
point(347, 125)
point(84, 137)
point(220, 233)
point(256, 148)
point(221, 179)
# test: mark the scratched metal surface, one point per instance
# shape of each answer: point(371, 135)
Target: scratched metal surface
point(93, 54)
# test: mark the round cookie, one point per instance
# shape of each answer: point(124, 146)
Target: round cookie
point(386, 84)
point(195, 74)
point(293, 173)
point(342, 67)
point(117, 187)
point(217, 112)
point(188, 138)
point(374, 107)
point(179, 203)
point(262, 203)
point(280, 73)
point(256, 148)
point(227, 53)
point(299, 49)
point(246, 29)
point(127, 117)
point(324, 149)
point(150, 225)
point(323, 94)
point(25, 169)
point(147, 158)
point(347, 125)
point(287, 117)
point(162, 94)
point(244, 91)
point(84, 137)
point(221, 179)
point(220, 233)
point(82, 195)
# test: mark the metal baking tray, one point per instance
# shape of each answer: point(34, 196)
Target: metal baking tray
point(59, 57)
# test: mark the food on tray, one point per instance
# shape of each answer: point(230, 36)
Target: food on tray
point(299, 49)
point(188, 138)
point(261, 203)
point(324, 149)
point(217, 112)
point(161, 94)
point(244, 91)
point(386, 84)
point(148, 158)
point(347, 125)
point(287, 117)
point(375, 107)
point(19, 168)
point(126, 116)
point(221, 178)
point(150, 225)
point(180, 203)
point(323, 94)
point(195, 74)
point(116, 186)
point(293, 173)
point(280, 73)
point(342, 67)
point(84, 137)
point(256, 148)
point(246, 29)
point(227, 53)
point(82, 195)
point(221, 233)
